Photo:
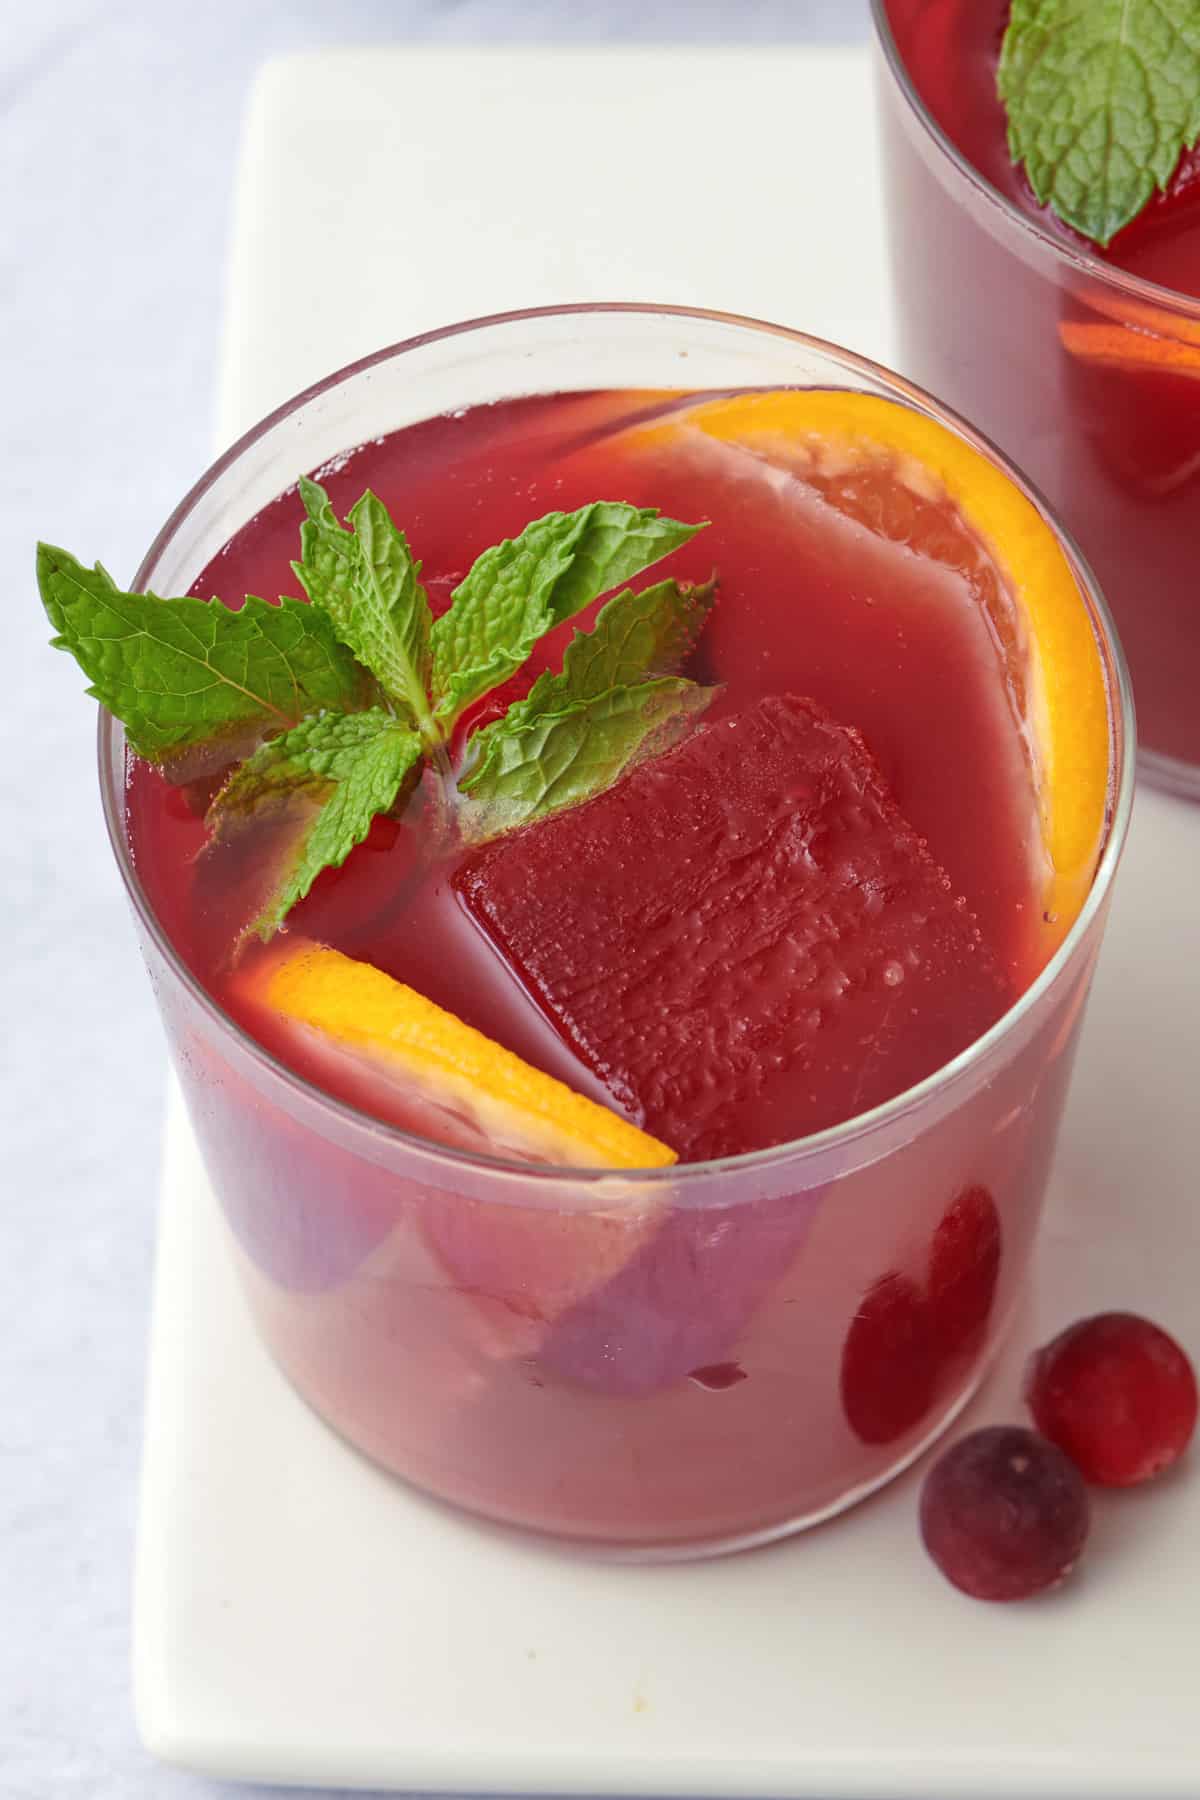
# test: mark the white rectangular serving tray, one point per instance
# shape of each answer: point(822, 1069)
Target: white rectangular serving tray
point(299, 1617)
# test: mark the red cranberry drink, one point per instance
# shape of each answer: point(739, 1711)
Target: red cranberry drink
point(1044, 213)
point(623, 923)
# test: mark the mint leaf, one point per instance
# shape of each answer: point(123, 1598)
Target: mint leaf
point(191, 679)
point(523, 587)
point(558, 759)
point(649, 633)
point(1102, 96)
point(575, 732)
point(366, 580)
point(336, 771)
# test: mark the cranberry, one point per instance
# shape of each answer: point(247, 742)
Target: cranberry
point(964, 1264)
point(1004, 1514)
point(1117, 1394)
point(889, 1361)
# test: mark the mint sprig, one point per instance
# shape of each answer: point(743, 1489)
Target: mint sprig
point(329, 712)
point(1102, 96)
point(193, 680)
point(520, 589)
point(336, 772)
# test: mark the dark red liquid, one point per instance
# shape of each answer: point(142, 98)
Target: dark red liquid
point(810, 604)
point(689, 1361)
point(990, 320)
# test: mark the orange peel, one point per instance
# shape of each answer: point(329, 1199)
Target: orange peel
point(832, 438)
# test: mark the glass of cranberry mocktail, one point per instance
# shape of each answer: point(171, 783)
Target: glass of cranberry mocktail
point(1083, 363)
point(826, 943)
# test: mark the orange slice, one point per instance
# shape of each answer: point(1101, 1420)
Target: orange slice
point(1138, 335)
point(354, 1010)
point(1130, 347)
point(509, 1262)
point(869, 457)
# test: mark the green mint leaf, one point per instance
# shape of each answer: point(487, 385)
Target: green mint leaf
point(332, 774)
point(522, 588)
point(1102, 96)
point(366, 580)
point(635, 635)
point(193, 682)
point(555, 759)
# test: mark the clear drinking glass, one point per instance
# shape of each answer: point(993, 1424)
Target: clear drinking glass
point(387, 1274)
point(1085, 374)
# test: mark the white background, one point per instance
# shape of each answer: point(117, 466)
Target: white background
point(118, 142)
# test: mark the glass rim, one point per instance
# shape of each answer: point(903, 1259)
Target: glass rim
point(1135, 287)
point(851, 1131)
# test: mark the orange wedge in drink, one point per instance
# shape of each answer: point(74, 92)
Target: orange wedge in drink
point(1148, 442)
point(352, 1011)
point(868, 457)
point(1134, 334)
point(1123, 347)
point(519, 1258)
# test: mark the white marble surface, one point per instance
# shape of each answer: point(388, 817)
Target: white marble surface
point(118, 139)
